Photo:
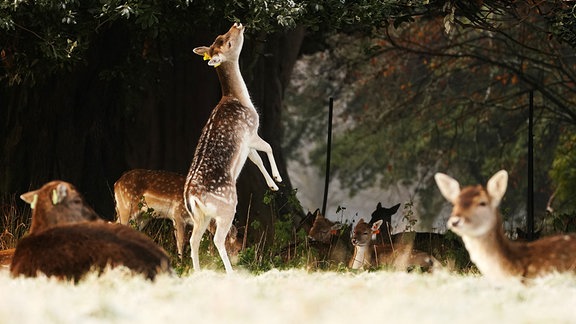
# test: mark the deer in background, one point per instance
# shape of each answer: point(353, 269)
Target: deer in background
point(229, 137)
point(67, 239)
point(162, 192)
point(475, 218)
point(368, 253)
point(330, 238)
point(385, 214)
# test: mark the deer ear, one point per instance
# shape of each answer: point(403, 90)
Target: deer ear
point(337, 226)
point(59, 194)
point(31, 198)
point(496, 186)
point(376, 225)
point(215, 60)
point(394, 209)
point(202, 51)
point(449, 187)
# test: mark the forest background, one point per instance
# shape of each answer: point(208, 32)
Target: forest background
point(90, 89)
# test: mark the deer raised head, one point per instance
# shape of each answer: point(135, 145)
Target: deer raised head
point(67, 243)
point(228, 139)
point(162, 192)
point(475, 217)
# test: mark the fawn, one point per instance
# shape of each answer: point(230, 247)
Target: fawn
point(368, 253)
point(475, 217)
point(229, 137)
point(67, 239)
point(161, 191)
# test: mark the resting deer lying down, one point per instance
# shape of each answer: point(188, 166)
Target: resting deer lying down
point(163, 192)
point(67, 239)
point(367, 253)
point(327, 237)
point(476, 219)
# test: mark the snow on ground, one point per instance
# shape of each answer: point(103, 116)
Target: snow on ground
point(291, 296)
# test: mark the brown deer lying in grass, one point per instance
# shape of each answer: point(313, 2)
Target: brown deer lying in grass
point(475, 217)
point(330, 239)
point(67, 239)
point(368, 253)
point(162, 191)
point(229, 137)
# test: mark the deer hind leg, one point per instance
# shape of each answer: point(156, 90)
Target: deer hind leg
point(200, 225)
point(259, 144)
point(223, 225)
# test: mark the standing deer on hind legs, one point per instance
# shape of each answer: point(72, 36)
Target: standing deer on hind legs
point(229, 137)
point(476, 219)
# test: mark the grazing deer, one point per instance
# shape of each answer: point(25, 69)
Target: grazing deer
point(67, 239)
point(229, 137)
point(330, 238)
point(161, 191)
point(369, 254)
point(475, 217)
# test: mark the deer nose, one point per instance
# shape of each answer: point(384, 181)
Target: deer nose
point(454, 221)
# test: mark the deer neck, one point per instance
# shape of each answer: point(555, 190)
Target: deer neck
point(493, 254)
point(362, 256)
point(232, 83)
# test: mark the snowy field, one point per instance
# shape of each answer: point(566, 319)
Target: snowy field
point(293, 296)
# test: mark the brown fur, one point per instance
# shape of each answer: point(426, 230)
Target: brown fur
point(476, 219)
point(65, 246)
point(70, 251)
point(330, 239)
point(6, 257)
point(163, 192)
point(368, 253)
point(55, 203)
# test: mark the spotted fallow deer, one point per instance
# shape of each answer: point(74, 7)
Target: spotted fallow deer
point(67, 239)
point(475, 217)
point(229, 137)
point(162, 192)
point(368, 253)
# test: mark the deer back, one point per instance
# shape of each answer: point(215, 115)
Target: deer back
point(161, 190)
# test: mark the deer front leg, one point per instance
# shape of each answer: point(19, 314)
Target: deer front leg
point(179, 234)
point(259, 144)
point(254, 157)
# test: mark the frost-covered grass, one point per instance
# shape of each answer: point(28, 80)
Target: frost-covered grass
point(292, 296)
